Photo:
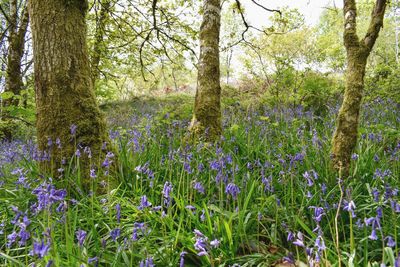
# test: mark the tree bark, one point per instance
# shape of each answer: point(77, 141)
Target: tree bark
point(206, 122)
point(64, 91)
point(16, 39)
point(345, 137)
point(99, 47)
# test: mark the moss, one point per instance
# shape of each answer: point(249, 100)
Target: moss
point(206, 121)
point(64, 92)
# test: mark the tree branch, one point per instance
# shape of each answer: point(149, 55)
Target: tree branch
point(350, 24)
point(376, 23)
point(267, 9)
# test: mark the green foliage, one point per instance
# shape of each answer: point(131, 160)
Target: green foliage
point(384, 82)
point(275, 197)
point(317, 91)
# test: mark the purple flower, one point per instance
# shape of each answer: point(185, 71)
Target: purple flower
point(318, 212)
point(47, 195)
point(182, 259)
point(320, 244)
point(73, 128)
point(375, 194)
point(199, 187)
point(94, 260)
point(299, 241)
point(373, 235)
point(40, 249)
point(390, 242)
point(308, 177)
point(290, 236)
point(166, 192)
point(144, 203)
point(118, 209)
point(148, 262)
point(58, 143)
point(191, 208)
point(215, 243)
point(350, 207)
point(201, 246)
point(115, 233)
point(80, 236)
point(233, 190)
point(354, 156)
point(12, 238)
point(93, 173)
point(23, 236)
point(136, 228)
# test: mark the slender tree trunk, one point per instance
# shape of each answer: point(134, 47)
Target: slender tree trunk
point(16, 41)
point(345, 136)
point(64, 91)
point(206, 122)
point(99, 47)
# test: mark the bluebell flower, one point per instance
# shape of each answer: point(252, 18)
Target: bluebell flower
point(148, 262)
point(299, 240)
point(350, 207)
point(318, 213)
point(144, 203)
point(390, 242)
point(203, 216)
point(166, 192)
point(11, 239)
point(115, 233)
point(73, 128)
point(58, 143)
point(80, 236)
point(320, 244)
point(215, 243)
point(373, 235)
point(40, 249)
point(233, 190)
point(94, 260)
point(118, 209)
point(93, 173)
point(199, 187)
point(182, 259)
point(354, 156)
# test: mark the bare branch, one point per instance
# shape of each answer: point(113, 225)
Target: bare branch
point(267, 9)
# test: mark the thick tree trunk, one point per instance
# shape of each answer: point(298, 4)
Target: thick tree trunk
point(206, 122)
point(345, 137)
point(64, 91)
point(99, 47)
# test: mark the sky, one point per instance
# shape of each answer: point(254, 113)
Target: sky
point(311, 9)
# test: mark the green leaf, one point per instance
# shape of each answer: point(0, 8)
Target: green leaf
point(7, 95)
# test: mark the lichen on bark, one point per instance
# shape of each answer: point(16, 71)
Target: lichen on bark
point(206, 121)
point(346, 133)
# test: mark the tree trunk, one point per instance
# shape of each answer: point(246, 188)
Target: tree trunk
point(206, 122)
point(99, 47)
point(16, 40)
point(64, 91)
point(345, 137)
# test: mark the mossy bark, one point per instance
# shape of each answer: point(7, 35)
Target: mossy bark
point(99, 47)
point(16, 40)
point(206, 122)
point(64, 91)
point(345, 137)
